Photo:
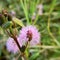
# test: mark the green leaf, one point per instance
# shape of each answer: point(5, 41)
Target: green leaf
point(34, 56)
point(7, 25)
point(17, 21)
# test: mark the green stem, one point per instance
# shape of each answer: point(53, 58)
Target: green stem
point(24, 6)
point(54, 39)
point(48, 27)
point(44, 47)
point(38, 14)
point(36, 19)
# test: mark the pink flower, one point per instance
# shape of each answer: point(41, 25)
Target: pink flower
point(29, 33)
point(40, 9)
point(12, 46)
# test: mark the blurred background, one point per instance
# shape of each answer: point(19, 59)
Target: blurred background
point(50, 30)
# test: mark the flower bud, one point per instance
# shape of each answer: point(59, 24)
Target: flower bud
point(29, 35)
point(6, 14)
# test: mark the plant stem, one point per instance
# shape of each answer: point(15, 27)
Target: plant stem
point(24, 6)
point(48, 27)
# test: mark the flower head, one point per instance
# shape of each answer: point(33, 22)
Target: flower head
point(40, 9)
point(12, 46)
point(28, 33)
point(31, 34)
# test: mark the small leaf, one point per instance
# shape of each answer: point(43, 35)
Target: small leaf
point(17, 21)
point(7, 25)
point(34, 56)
